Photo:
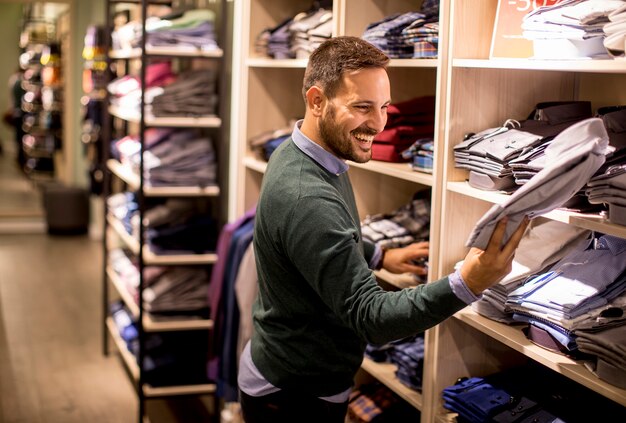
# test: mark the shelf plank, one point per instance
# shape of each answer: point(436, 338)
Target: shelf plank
point(396, 170)
point(414, 63)
point(255, 164)
point(513, 337)
point(386, 374)
point(591, 66)
point(132, 179)
point(581, 220)
point(135, 53)
point(153, 259)
point(121, 289)
point(133, 368)
point(210, 121)
point(168, 391)
point(401, 281)
point(149, 324)
point(266, 62)
point(127, 357)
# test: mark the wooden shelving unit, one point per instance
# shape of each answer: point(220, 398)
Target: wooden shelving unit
point(473, 93)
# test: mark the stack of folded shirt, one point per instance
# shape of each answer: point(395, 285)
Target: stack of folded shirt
point(184, 159)
point(375, 403)
point(488, 153)
point(502, 158)
point(179, 292)
point(194, 93)
point(126, 90)
point(297, 36)
point(389, 36)
point(421, 155)
point(610, 188)
point(308, 31)
point(403, 226)
point(606, 187)
point(569, 29)
point(178, 227)
point(545, 243)
point(407, 35)
point(407, 354)
point(264, 144)
point(615, 31)
point(123, 206)
point(191, 28)
point(125, 36)
point(407, 122)
point(529, 393)
point(573, 293)
point(607, 347)
point(173, 157)
point(170, 358)
point(275, 42)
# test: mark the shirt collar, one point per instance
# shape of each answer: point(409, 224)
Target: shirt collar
point(328, 161)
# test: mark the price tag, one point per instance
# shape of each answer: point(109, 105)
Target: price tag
point(507, 40)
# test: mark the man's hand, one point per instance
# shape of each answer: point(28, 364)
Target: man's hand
point(400, 260)
point(483, 269)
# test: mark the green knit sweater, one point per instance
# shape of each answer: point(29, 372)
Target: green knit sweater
point(319, 303)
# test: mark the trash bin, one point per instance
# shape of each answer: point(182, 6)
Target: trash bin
point(67, 209)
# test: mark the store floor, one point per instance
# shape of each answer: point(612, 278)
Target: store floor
point(21, 206)
point(52, 366)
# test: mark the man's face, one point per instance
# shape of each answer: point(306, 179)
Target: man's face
point(356, 114)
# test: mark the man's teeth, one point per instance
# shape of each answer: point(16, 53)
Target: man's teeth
point(363, 137)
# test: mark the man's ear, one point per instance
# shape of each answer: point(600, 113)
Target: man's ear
point(315, 100)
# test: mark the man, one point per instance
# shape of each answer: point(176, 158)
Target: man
point(319, 303)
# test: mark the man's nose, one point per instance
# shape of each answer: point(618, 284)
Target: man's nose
point(378, 120)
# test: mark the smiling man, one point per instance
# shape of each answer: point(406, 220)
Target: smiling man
point(319, 303)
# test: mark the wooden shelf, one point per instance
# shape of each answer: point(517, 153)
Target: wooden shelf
point(386, 374)
point(401, 281)
point(135, 53)
point(266, 62)
point(514, 338)
point(132, 179)
point(414, 63)
point(133, 369)
point(127, 357)
point(153, 259)
point(149, 324)
point(586, 221)
point(472, 93)
point(176, 122)
point(396, 170)
point(591, 66)
point(255, 164)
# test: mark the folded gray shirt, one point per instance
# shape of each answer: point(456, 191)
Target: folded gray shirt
point(572, 159)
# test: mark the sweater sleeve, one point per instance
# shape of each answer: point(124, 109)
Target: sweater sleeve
point(369, 250)
point(323, 240)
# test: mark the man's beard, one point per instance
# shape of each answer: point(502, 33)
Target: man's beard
point(333, 138)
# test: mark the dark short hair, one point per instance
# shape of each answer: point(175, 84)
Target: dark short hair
point(328, 63)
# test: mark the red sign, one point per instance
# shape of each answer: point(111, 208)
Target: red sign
point(507, 40)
